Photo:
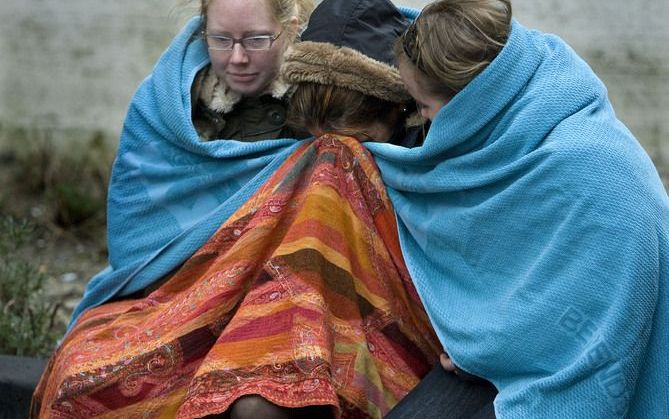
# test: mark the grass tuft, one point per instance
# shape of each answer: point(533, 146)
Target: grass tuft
point(27, 318)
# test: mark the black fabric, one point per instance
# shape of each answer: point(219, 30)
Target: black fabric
point(368, 26)
point(444, 395)
point(409, 137)
point(252, 119)
point(18, 378)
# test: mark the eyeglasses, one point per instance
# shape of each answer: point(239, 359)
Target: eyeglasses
point(251, 43)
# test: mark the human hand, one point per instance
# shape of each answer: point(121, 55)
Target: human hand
point(447, 363)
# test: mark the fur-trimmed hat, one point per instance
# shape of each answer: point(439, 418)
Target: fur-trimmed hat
point(349, 43)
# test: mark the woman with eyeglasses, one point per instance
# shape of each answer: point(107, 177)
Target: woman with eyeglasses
point(251, 276)
point(239, 96)
point(535, 226)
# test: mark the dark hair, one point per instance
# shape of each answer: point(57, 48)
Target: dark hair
point(452, 41)
point(338, 110)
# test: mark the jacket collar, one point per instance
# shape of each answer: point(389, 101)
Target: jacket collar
point(216, 95)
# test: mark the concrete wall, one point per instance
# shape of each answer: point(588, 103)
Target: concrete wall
point(68, 69)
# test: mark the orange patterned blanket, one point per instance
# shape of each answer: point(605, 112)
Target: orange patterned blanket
point(302, 297)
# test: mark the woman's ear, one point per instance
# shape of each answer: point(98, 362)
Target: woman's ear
point(294, 25)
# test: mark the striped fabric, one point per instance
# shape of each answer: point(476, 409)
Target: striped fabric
point(302, 297)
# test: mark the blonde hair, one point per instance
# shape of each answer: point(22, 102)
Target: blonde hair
point(452, 41)
point(282, 10)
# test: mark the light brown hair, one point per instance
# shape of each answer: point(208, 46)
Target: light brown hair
point(452, 41)
point(333, 109)
point(282, 10)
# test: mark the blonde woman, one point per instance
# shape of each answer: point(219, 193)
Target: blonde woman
point(239, 96)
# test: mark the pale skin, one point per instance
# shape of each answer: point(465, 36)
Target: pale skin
point(428, 104)
point(248, 73)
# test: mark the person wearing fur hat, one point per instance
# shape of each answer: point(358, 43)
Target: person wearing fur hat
point(343, 76)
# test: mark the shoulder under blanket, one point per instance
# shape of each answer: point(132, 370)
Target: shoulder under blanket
point(169, 191)
point(536, 230)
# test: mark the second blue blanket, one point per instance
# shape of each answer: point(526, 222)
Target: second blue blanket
point(536, 230)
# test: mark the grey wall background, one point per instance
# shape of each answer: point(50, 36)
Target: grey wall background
point(68, 69)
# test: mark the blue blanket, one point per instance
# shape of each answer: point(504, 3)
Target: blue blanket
point(533, 223)
point(170, 191)
point(536, 230)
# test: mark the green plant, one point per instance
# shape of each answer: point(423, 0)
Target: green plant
point(26, 318)
point(73, 181)
point(79, 191)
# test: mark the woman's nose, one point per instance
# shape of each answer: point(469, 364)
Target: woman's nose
point(239, 55)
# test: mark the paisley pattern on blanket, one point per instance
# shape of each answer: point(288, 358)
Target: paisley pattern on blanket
point(302, 296)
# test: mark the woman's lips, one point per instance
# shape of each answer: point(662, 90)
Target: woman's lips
point(242, 78)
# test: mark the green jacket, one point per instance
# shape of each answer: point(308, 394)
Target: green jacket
point(218, 113)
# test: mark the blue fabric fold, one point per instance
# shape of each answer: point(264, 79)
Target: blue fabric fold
point(536, 230)
point(170, 191)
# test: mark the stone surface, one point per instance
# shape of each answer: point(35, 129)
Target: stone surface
point(18, 378)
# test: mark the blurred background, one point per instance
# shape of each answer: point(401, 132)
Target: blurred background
point(69, 69)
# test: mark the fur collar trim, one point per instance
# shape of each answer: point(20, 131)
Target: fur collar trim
point(216, 95)
point(326, 63)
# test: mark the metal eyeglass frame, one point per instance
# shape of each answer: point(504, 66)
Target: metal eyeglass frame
point(242, 41)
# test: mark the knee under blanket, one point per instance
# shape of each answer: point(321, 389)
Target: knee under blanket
point(534, 225)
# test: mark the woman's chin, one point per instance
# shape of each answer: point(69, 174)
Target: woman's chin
point(245, 85)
